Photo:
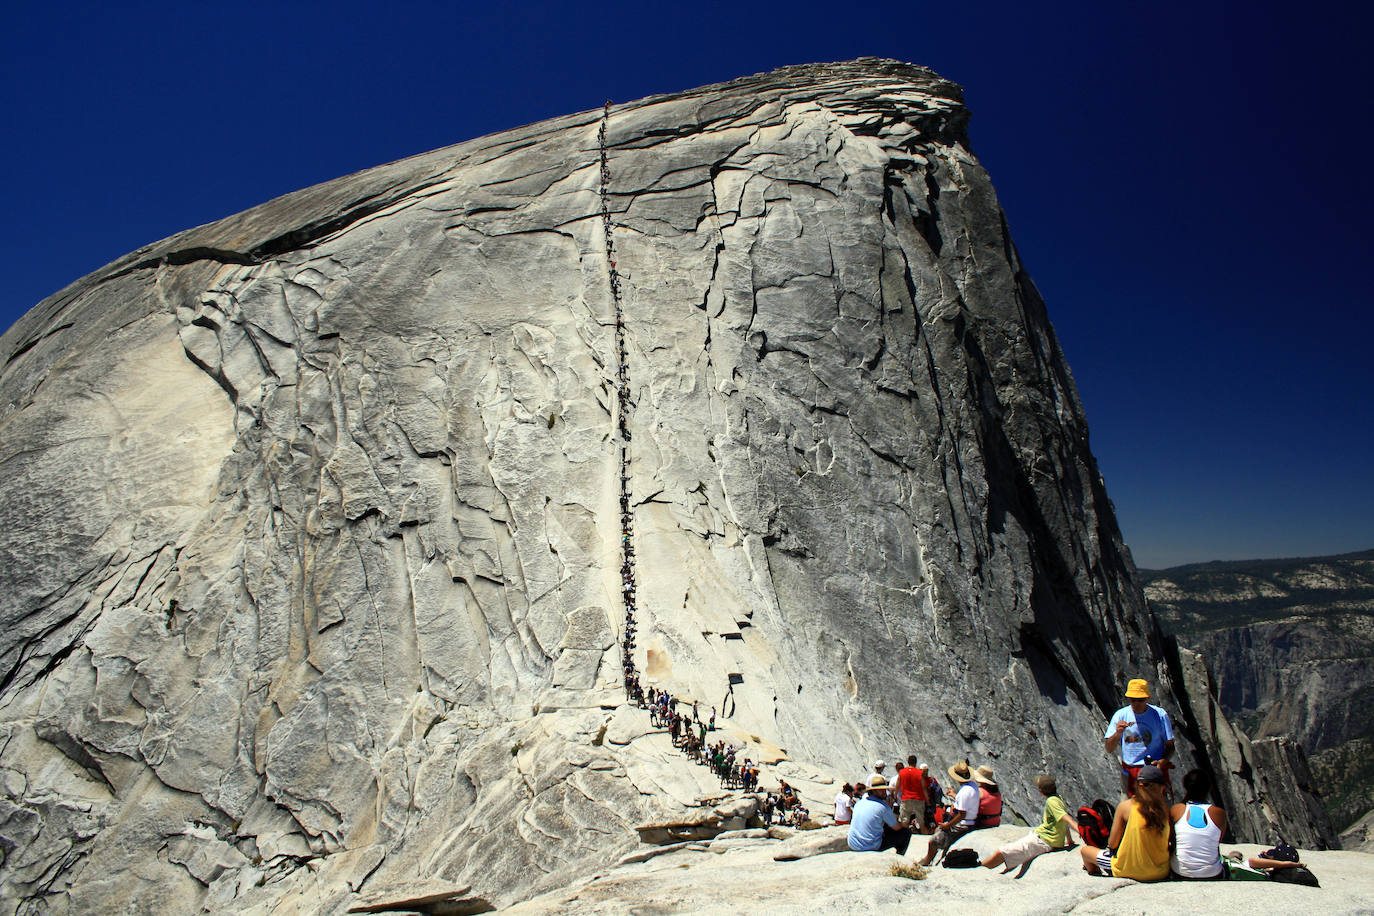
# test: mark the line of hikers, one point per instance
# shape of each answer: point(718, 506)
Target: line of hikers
point(1151, 837)
point(688, 735)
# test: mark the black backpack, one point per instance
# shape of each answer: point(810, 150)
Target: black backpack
point(963, 857)
point(1095, 823)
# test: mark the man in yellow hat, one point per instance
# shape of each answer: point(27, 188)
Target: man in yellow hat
point(1143, 733)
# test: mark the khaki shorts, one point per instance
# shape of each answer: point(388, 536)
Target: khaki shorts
point(912, 808)
point(1025, 849)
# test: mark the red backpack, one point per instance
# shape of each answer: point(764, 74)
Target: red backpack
point(1095, 823)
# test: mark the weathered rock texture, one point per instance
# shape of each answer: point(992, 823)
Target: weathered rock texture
point(1290, 645)
point(309, 516)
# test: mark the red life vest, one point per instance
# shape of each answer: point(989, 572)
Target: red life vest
point(989, 807)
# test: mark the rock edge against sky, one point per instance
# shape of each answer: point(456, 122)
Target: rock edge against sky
point(310, 525)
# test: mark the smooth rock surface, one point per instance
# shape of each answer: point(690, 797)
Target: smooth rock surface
point(750, 881)
point(309, 526)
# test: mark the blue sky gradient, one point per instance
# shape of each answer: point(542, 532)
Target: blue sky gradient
point(1189, 185)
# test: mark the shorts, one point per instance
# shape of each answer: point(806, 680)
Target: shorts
point(1025, 849)
point(946, 835)
point(1104, 863)
point(912, 809)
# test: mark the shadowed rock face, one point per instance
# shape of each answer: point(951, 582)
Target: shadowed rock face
point(309, 516)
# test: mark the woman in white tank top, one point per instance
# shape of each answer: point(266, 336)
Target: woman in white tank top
point(1198, 829)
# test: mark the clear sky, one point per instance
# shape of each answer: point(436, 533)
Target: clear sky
point(1188, 183)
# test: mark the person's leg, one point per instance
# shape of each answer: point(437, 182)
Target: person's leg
point(937, 842)
point(994, 860)
point(895, 839)
point(1089, 854)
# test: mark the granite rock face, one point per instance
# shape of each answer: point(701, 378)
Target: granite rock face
point(1266, 785)
point(309, 516)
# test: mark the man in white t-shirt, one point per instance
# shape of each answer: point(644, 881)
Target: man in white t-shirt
point(878, 767)
point(965, 814)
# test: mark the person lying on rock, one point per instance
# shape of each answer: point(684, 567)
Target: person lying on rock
point(1280, 857)
point(1138, 847)
point(1052, 834)
point(965, 814)
point(873, 827)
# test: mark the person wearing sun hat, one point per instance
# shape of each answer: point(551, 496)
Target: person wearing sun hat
point(989, 798)
point(1143, 734)
point(965, 815)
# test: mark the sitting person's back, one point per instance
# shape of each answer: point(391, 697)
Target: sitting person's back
point(873, 827)
point(1198, 829)
point(1139, 845)
point(989, 798)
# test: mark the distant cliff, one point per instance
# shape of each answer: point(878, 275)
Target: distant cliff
point(1290, 644)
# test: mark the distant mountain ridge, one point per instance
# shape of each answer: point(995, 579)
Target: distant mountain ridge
point(1291, 646)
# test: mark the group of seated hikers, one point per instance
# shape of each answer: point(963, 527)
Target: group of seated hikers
point(1151, 837)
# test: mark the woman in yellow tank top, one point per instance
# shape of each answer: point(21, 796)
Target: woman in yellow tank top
point(1139, 845)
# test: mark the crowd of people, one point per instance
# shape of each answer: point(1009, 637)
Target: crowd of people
point(1152, 836)
point(785, 806)
point(689, 731)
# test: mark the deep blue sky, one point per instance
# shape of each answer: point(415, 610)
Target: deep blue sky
point(1189, 185)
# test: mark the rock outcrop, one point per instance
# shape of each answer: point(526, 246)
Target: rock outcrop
point(1290, 646)
point(1266, 785)
point(310, 516)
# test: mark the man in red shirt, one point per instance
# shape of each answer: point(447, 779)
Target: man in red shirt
point(911, 788)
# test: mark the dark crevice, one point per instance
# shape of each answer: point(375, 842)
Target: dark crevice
point(24, 348)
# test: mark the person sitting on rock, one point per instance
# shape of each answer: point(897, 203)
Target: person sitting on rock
point(1199, 826)
point(989, 798)
point(844, 805)
point(965, 812)
point(873, 826)
point(1052, 834)
point(1138, 847)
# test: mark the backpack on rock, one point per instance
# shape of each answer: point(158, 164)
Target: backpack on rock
point(1095, 823)
point(963, 857)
